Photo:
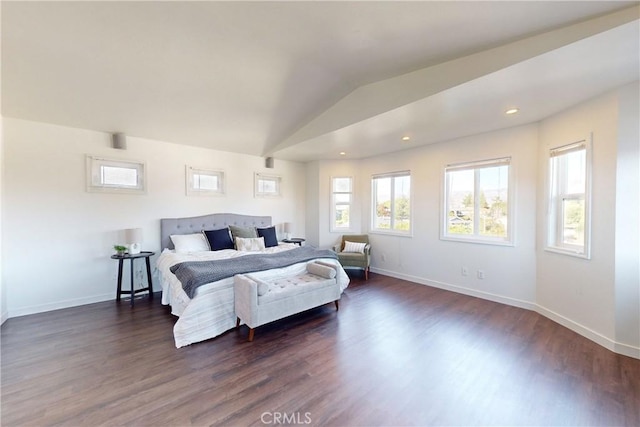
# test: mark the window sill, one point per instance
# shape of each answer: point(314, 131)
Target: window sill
point(391, 233)
point(569, 252)
point(492, 242)
point(204, 193)
point(115, 190)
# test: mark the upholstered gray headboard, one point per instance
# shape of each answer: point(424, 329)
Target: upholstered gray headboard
point(195, 224)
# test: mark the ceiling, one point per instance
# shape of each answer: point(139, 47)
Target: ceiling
point(305, 81)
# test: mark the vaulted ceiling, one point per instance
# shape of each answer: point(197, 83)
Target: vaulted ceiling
point(307, 80)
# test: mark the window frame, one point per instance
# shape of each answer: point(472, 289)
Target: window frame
point(556, 178)
point(95, 184)
point(190, 173)
point(391, 230)
point(333, 228)
point(267, 177)
point(476, 166)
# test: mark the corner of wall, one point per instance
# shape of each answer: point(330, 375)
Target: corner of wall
point(627, 233)
point(4, 314)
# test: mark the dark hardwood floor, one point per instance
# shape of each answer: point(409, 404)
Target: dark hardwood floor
point(396, 353)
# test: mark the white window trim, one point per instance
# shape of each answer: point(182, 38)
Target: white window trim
point(391, 231)
point(94, 184)
point(552, 225)
point(261, 176)
point(333, 228)
point(444, 203)
point(190, 171)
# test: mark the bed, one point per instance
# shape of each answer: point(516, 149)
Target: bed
point(210, 311)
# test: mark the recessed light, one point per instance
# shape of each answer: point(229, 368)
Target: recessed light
point(406, 138)
point(511, 111)
point(342, 153)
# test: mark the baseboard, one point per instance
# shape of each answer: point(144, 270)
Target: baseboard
point(616, 347)
point(626, 350)
point(24, 311)
point(459, 289)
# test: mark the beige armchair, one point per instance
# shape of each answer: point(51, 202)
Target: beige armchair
point(361, 260)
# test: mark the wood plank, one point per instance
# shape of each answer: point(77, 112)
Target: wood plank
point(395, 353)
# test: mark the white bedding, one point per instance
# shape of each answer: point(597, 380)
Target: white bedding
point(211, 312)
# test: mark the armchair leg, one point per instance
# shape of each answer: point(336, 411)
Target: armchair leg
point(337, 306)
point(237, 322)
point(251, 330)
point(366, 273)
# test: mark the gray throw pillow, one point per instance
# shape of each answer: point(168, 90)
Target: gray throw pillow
point(243, 232)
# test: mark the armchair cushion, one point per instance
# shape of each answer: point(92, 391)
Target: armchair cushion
point(354, 246)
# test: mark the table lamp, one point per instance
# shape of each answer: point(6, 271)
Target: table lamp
point(133, 238)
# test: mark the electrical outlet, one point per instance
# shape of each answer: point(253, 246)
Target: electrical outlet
point(383, 257)
point(480, 274)
point(464, 271)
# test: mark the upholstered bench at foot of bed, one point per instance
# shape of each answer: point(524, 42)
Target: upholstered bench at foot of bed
point(258, 302)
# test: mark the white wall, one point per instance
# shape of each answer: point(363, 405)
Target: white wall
point(313, 203)
point(580, 293)
point(424, 258)
point(58, 237)
point(4, 311)
point(627, 268)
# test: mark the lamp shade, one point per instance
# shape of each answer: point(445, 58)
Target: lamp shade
point(133, 235)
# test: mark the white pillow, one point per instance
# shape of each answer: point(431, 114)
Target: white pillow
point(189, 242)
point(250, 244)
point(353, 247)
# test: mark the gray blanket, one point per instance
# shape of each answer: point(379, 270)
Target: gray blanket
point(193, 274)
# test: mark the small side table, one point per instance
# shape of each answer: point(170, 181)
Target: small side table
point(133, 291)
point(297, 240)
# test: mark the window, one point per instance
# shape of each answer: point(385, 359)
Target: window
point(391, 196)
point(204, 182)
point(568, 201)
point(341, 201)
point(477, 205)
point(267, 185)
point(118, 176)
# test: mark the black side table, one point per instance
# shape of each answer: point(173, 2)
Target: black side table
point(133, 291)
point(297, 240)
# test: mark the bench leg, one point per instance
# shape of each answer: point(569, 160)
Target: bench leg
point(337, 306)
point(251, 330)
